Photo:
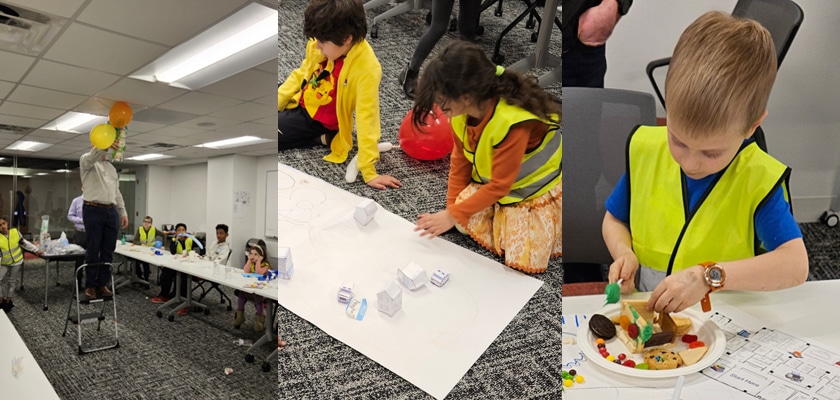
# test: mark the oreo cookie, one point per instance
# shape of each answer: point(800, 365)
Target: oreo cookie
point(601, 326)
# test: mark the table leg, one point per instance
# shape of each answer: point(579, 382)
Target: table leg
point(46, 283)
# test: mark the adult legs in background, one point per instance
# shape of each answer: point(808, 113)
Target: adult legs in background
point(584, 66)
point(101, 226)
point(295, 128)
point(441, 10)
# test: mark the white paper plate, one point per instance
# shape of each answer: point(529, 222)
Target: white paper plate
point(705, 329)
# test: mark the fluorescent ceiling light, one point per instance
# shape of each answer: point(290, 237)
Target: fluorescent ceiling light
point(235, 142)
point(243, 40)
point(75, 122)
point(25, 145)
point(62, 170)
point(42, 173)
point(148, 157)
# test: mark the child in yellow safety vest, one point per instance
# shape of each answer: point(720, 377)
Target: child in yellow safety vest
point(505, 177)
point(146, 235)
point(11, 259)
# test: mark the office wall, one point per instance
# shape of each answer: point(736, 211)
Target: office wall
point(802, 126)
point(265, 164)
point(158, 183)
point(186, 201)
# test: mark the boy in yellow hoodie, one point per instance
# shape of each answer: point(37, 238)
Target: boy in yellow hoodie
point(338, 77)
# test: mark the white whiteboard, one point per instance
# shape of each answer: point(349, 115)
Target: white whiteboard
point(271, 211)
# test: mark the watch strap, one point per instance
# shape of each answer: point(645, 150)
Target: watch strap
point(706, 302)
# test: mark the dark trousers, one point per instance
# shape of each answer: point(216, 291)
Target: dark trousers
point(295, 128)
point(584, 66)
point(167, 283)
point(441, 10)
point(101, 226)
point(142, 270)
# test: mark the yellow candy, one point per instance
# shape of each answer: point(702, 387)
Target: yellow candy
point(610, 358)
point(579, 379)
point(568, 383)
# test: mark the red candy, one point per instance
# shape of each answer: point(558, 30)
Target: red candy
point(696, 344)
point(633, 331)
point(622, 356)
point(630, 363)
point(689, 338)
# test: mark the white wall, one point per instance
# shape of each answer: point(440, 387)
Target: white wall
point(802, 127)
point(265, 164)
point(186, 201)
point(158, 185)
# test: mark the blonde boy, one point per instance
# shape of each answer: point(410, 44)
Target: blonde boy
point(701, 207)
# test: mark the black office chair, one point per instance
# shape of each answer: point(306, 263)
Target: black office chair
point(782, 18)
point(596, 124)
point(534, 19)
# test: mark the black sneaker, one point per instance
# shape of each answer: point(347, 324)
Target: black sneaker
point(408, 80)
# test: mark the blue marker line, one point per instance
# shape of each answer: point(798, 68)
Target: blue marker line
point(576, 320)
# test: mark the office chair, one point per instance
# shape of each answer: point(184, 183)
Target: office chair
point(782, 18)
point(404, 7)
point(530, 12)
point(596, 124)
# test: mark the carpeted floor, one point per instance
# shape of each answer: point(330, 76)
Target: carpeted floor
point(823, 250)
point(524, 361)
point(156, 359)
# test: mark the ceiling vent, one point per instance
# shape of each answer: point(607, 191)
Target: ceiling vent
point(14, 130)
point(162, 146)
point(26, 31)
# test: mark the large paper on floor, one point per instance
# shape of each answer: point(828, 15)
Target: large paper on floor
point(439, 332)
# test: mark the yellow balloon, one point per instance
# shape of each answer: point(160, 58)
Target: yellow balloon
point(102, 136)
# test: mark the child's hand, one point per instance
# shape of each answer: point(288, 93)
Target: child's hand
point(434, 224)
point(625, 267)
point(384, 181)
point(679, 291)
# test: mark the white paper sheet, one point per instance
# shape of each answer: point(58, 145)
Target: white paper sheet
point(438, 333)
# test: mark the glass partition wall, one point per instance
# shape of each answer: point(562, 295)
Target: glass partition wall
point(33, 187)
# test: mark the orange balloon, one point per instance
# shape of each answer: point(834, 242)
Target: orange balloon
point(120, 114)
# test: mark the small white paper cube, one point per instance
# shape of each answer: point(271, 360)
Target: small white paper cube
point(286, 267)
point(412, 276)
point(365, 211)
point(439, 278)
point(345, 293)
point(389, 300)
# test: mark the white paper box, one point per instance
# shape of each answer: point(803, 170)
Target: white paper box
point(345, 293)
point(389, 300)
point(365, 211)
point(412, 276)
point(286, 267)
point(439, 278)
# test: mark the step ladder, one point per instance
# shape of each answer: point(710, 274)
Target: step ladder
point(78, 318)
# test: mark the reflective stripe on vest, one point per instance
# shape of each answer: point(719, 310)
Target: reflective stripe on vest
point(12, 255)
point(666, 235)
point(143, 235)
point(540, 170)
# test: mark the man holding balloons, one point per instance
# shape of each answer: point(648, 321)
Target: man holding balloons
point(103, 209)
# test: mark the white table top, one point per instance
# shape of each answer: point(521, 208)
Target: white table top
point(200, 269)
point(30, 383)
point(806, 311)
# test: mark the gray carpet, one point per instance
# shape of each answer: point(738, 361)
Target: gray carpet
point(524, 361)
point(157, 359)
point(823, 250)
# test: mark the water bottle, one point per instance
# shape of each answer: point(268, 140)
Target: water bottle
point(123, 239)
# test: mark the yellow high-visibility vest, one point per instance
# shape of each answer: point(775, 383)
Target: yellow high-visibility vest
point(669, 237)
point(10, 248)
point(148, 239)
point(540, 170)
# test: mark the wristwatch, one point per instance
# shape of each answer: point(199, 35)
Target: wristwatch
point(624, 6)
point(715, 277)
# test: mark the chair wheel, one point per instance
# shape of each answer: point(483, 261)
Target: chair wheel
point(529, 25)
point(453, 25)
point(479, 30)
point(221, 301)
point(374, 32)
point(159, 314)
point(46, 308)
point(171, 318)
point(429, 18)
point(266, 367)
point(206, 311)
point(249, 358)
point(81, 352)
point(499, 59)
point(229, 308)
point(497, 13)
point(534, 37)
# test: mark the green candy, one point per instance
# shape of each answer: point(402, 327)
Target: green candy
point(641, 366)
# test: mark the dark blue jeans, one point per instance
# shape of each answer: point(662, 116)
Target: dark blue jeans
point(101, 226)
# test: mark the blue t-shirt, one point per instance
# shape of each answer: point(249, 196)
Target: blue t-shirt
point(774, 223)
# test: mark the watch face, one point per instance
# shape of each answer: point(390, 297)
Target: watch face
point(715, 275)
